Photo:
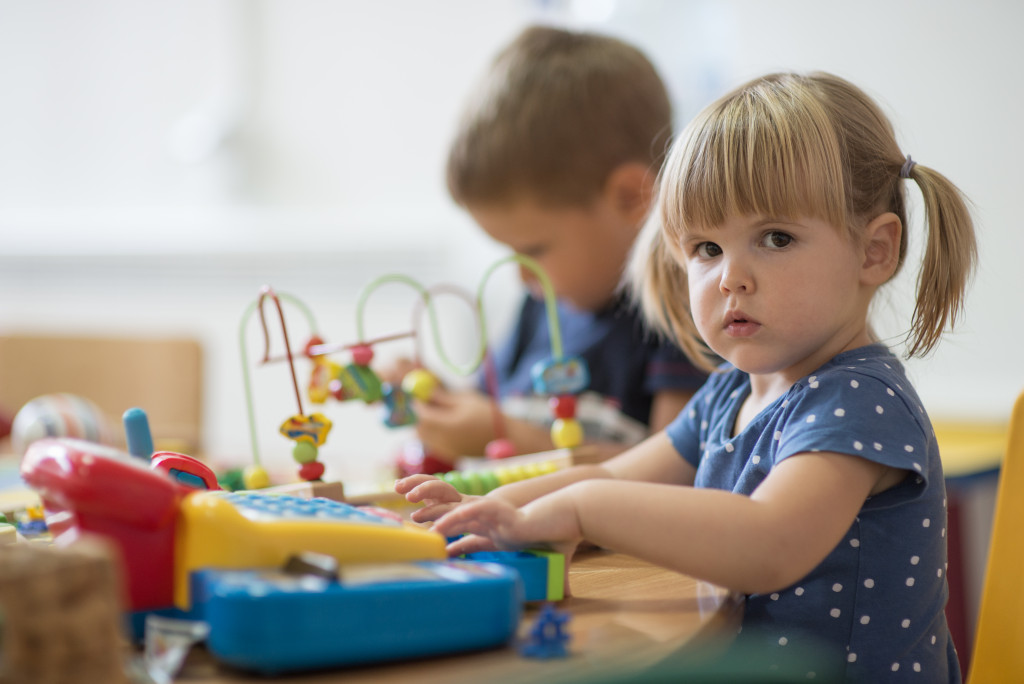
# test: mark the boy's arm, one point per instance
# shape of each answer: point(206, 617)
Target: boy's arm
point(753, 544)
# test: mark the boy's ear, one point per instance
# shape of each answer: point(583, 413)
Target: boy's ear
point(882, 238)
point(630, 190)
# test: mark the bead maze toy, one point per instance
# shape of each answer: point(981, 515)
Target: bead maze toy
point(560, 377)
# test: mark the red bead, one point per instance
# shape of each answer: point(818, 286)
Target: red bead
point(563, 406)
point(362, 354)
point(337, 390)
point(313, 341)
point(499, 448)
point(313, 470)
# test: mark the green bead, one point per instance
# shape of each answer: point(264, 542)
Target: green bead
point(489, 480)
point(454, 478)
point(474, 485)
point(304, 452)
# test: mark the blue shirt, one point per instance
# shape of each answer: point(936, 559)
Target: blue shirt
point(628, 365)
point(877, 600)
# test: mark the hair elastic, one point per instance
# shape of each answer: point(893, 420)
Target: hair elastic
point(907, 167)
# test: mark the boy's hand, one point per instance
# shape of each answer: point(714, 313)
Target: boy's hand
point(454, 424)
point(395, 372)
point(438, 497)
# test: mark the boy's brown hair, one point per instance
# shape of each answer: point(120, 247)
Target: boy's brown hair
point(555, 114)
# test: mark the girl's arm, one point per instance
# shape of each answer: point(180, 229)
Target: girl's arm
point(653, 460)
point(754, 544)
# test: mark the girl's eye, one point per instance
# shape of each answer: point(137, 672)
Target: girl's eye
point(776, 239)
point(707, 250)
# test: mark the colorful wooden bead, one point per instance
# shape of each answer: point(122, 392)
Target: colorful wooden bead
point(313, 470)
point(360, 382)
point(566, 433)
point(397, 407)
point(312, 428)
point(304, 452)
point(255, 477)
point(500, 448)
point(560, 376)
point(563, 406)
point(362, 354)
point(420, 383)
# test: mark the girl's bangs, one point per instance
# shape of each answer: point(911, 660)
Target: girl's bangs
point(757, 153)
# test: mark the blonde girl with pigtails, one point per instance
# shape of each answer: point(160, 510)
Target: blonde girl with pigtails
point(805, 473)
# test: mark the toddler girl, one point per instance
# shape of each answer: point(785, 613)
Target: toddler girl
point(805, 473)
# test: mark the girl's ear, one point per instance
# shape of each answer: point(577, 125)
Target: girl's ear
point(882, 238)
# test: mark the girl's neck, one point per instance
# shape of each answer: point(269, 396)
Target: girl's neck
point(767, 387)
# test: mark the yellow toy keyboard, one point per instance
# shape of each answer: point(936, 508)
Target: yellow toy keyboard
point(249, 529)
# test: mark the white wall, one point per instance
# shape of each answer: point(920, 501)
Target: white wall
point(161, 161)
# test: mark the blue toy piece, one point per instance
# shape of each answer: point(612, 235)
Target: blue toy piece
point(568, 375)
point(542, 572)
point(397, 407)
point(137, 433)
point(547, 638)
point(272, 622)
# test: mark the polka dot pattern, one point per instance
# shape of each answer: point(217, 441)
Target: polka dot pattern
point(884, 582)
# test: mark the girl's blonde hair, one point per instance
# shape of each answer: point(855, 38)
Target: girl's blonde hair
point(790, 145)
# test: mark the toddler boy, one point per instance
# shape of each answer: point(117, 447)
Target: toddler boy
point(556, 157)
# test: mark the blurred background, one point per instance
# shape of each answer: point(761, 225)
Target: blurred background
point(161, 161)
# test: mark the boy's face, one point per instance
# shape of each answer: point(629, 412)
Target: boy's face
point(583, 249)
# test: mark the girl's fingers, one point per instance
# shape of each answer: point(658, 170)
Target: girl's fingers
point(405, 484)
point(431, 513)
point(471, 544)
point(433, 491)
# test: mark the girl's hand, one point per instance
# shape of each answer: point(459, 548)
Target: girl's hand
point(549, 522)
point(438, 497)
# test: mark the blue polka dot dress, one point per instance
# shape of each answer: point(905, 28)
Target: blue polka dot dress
point(875, 604)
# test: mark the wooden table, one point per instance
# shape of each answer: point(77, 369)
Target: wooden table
point(624, 613)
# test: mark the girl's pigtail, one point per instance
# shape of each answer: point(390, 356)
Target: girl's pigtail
point(950, 256)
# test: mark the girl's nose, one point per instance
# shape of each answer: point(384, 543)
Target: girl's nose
point(736, 277)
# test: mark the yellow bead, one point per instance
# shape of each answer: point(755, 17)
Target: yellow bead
point(255, 477)
point(546, 467)
point(420, 383)
point(504, 475)
point(566, 433)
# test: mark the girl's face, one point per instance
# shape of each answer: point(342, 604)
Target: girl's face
point(776, 297)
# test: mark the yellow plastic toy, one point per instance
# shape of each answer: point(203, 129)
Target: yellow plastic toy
point(998, 656)
point(218, 529)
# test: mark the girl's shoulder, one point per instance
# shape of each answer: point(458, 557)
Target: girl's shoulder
point(862, 374)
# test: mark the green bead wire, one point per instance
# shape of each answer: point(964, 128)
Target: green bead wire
point(546, 287)
point(481, 350)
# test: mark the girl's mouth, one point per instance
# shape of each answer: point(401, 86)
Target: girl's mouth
point(738, 324)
